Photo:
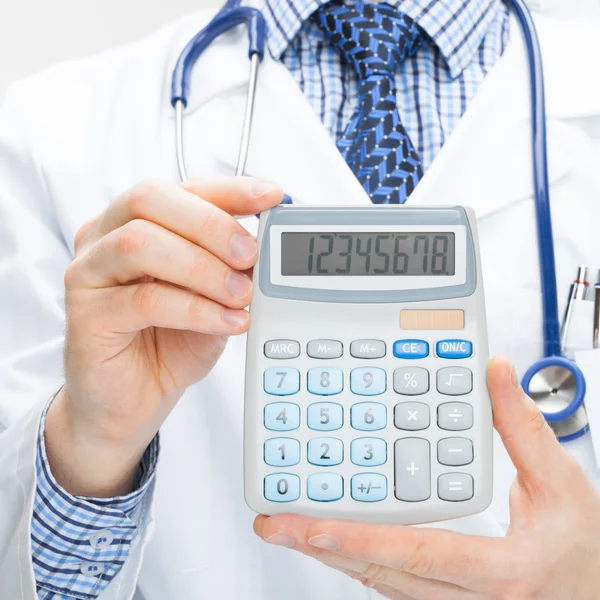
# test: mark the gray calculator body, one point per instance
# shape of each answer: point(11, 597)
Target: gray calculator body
point(365, 393)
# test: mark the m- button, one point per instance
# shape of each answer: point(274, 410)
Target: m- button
point(281, 349)
point(324, 349)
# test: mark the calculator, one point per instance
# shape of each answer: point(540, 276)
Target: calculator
point(365, 392)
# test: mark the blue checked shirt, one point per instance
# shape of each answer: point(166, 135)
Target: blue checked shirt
point(79, 544)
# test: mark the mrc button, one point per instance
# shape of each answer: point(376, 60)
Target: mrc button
point(282, 349)
point(454, 349)
point(411, 349)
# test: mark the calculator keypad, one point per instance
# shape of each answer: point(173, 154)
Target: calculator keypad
point(325, 381)
point(325, 416)
point(368, 381)
point(368, 416)
point(369, 487)
point(282, 487)
point(325, 487)
point(411, 416)
point(325, 452)
point(282, 416)
point(368, 452)
point(409, 456)
point(282, 381)
point(282, 452)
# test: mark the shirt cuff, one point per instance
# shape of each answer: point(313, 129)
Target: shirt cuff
point(80, 544)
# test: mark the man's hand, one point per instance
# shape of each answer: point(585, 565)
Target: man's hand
point(157, 285)
point(551, 552)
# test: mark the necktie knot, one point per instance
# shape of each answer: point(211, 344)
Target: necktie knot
point(374, 37)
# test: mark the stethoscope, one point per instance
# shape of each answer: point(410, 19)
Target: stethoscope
point(555, 383)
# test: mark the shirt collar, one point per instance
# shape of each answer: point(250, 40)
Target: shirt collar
point(456, 27)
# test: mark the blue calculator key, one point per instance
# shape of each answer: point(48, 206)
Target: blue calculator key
point(454, 349)
point(325, 381)
point(282, 452)
point(325, 416)
point(411, 349)
point(282, 381)
point(368, 416)
point(325, 487)
point(282, 416)
point(367, 381)
point(368, 452)
point(369, 487)
point(325, 451)
point(282, 487)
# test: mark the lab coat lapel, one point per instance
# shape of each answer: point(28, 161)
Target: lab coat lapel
point(486, 163)
point(288, 142)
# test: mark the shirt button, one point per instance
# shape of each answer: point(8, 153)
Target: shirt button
point(92, 569)
point(102, 539)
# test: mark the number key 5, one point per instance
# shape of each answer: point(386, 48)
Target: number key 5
point(325, 416)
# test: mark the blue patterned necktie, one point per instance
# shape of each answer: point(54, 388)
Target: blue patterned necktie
point(375, 38)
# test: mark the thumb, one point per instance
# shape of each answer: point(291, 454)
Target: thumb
point(531, 444)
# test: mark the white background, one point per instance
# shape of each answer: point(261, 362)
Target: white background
point(38, 33)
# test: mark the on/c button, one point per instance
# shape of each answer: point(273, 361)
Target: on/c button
point(411, 349)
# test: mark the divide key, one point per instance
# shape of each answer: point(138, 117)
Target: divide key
point(454, 349)
point(411, 349)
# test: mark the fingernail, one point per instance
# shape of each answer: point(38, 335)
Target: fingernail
point(260, 187)
point(513, 378)
point(235, 318)
point(243, 247)
point(238, 285)
point(280, 539)
point(326, 542)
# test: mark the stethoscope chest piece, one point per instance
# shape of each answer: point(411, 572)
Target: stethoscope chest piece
point(557, 386)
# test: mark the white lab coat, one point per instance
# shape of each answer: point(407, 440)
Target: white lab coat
point(73, 137)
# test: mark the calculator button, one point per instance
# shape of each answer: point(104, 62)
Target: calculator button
point(411, 381)
point(324, 349)
point(281, 349)
point(455, 416)
point(455, 487)
point(369, 487)
point(411, 349)
point(368, 381)
point(325, 381)
point(368, 416)
point(325, 487)
point(282, 381)
point(368, 452)
point(367, 349)
point(411, 416)
point(282, 487)
point(282, 452)
point(455, 452)
point(282, 416)
point(413, 480)
point(325, 451)
point(454, 381)
point(454, 349)
point(325, 416)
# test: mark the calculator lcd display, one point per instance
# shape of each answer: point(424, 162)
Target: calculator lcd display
point(370, 253)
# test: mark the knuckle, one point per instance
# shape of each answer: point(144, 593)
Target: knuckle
point(138, 197)
point(536, 420)
point(132, 237)
point(210, 224)
point(82, 234)
point(197, 267)
point(375, 573)
point(420, 561)
point(520, 589)
point(72, 274)
point(148, 299)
